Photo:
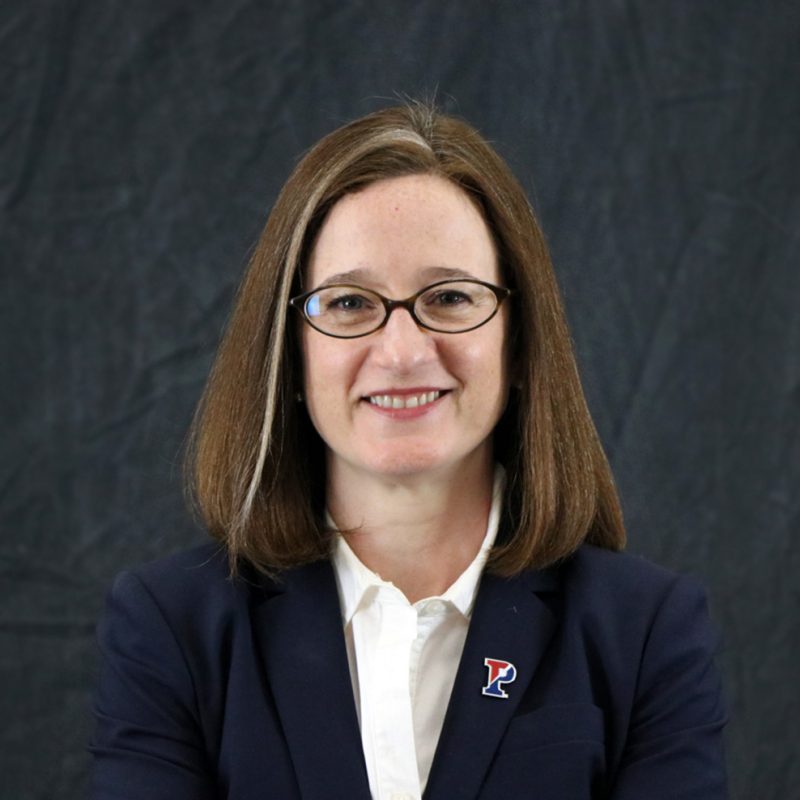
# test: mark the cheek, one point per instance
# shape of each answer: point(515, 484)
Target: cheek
point(308, 350)
point(315, 380)
point(481, 363)
point(329, 369)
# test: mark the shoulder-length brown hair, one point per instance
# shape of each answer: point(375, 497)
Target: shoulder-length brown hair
point(255, 466)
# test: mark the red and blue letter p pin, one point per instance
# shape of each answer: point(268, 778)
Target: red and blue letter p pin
point(500, 672)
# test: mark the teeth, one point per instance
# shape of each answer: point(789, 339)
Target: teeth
point(404, 401)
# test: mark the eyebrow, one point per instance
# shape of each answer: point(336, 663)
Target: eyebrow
point(351, 276)
point(355, 276)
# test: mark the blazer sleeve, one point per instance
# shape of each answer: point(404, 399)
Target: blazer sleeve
point(674, 746)
point(147, 740)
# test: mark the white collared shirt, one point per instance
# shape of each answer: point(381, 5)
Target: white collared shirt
point(403, 659)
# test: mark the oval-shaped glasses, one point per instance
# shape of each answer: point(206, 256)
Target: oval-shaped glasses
point(348, 312)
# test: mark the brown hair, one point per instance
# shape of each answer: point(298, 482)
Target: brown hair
point(255, 465)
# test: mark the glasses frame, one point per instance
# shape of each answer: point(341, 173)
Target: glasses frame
point(299, 302)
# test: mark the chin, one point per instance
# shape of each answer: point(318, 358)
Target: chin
point(405, 461)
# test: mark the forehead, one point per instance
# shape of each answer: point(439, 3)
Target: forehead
point(399, 232)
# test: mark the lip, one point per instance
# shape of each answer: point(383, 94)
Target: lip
point(409, 412)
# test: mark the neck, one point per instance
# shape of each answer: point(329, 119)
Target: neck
point(418, 532)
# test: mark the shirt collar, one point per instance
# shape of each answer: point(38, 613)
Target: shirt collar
point(357, 583)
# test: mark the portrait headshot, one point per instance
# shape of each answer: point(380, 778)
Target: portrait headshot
point(418, 534)
point(407, 407)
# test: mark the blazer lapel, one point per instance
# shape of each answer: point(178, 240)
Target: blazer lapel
point(298, 628)
point(509, 622)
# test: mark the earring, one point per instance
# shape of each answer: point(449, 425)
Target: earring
point(298, 396)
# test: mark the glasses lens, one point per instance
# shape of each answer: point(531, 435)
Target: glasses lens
point(456, 305)
point(344, 310)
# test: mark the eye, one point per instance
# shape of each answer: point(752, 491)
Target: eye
point(348, 302)
point(456, 305)
point(345, 303)
point(447, 298)
point(451, 297)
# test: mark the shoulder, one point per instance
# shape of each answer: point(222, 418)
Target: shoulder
point(193, 592)
point(202, 565)
point(648, 636)
point(619, 577)
point(615, 597)
point(188, 574)
point(179, 615)
point(187, 591)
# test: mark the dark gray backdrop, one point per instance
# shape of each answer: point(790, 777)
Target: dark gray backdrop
point(142, 145)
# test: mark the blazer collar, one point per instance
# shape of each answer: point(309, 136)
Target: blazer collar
point(298, 629)
point(510, 622)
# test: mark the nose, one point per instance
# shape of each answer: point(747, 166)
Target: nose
point(401, 345)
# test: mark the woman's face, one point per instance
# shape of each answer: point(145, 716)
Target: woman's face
point(395, 237)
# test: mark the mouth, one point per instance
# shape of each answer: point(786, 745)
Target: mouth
point(400, 401)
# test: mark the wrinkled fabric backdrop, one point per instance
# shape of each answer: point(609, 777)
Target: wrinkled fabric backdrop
point(142, 146)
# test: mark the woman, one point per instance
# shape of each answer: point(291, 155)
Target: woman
point(418, 586)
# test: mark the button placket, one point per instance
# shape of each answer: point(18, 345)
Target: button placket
point(392, 729)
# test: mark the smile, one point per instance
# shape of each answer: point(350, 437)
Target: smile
point(404, 401)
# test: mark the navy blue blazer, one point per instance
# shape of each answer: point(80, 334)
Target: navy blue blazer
point(212, 688)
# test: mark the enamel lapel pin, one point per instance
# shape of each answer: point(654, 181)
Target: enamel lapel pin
point(500, 672)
